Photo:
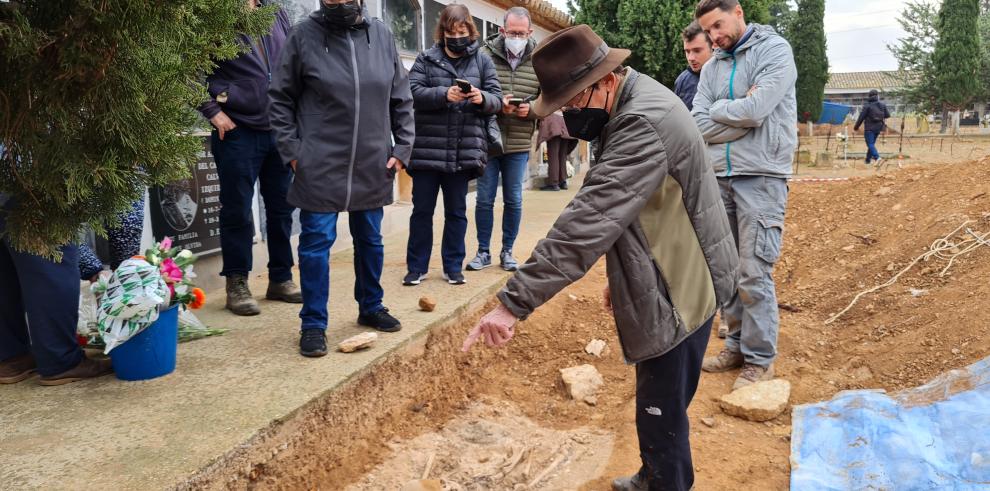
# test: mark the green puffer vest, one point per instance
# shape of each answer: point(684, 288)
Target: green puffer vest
point(517, 134)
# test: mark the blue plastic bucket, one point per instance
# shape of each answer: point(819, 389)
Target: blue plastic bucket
point(151, 353)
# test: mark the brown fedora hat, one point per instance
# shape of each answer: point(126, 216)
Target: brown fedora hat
point(569, 61)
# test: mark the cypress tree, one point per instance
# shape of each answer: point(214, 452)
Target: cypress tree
point(808, 44)
point(97, 101)
point(956, 59)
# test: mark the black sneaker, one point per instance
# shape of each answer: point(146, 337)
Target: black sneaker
point(454, 278)
point(562, 185)
point(550, 187)
point(413, 279)
point(380, 320)
point(313, 342)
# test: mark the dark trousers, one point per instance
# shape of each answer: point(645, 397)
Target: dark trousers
point(319, 232)
point(39, 308)
point(871, 145)
point(244, 157)
point(664, 388)
point(426, 186)
point(557, 151)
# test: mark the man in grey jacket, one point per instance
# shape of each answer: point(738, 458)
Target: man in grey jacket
point(651, 205)
point(746, 109)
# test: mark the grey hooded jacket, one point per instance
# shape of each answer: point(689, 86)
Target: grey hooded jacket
point(340, 105)
point(753, 135)
point(651, 204)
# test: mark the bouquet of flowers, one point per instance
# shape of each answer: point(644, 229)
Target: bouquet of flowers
point(131, 298)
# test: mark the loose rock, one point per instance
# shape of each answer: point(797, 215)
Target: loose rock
point(427, 304)
point(595, 347)
point(883, 191)
point(582, 382)
point(423, 485)
point(709, 422)
point(761, 401)
point(361, 341)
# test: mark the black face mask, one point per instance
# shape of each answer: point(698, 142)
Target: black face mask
point(588, 122)
point(343, 14)
point(458, 45)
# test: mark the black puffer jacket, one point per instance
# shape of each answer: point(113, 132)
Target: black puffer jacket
point(452, 137)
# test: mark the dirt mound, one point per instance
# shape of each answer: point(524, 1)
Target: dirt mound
point(841, 238)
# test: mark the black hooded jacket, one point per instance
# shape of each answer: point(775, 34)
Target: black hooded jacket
point(873, 114)
point(339, 96)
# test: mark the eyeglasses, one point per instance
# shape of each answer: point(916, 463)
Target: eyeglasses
point(517, 34)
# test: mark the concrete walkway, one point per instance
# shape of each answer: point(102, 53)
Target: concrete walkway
point(110, 434)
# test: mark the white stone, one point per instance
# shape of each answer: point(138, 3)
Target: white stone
point(761, 401)
point(582, 382)
point(361, 341)
point(595, 347)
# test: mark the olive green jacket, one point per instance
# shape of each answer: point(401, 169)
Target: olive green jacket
point(651, 205)
point(517, 133)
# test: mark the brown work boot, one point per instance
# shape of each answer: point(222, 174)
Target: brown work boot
point(723, 362)
point(752, 374)
point(239, 299)
point(17, 368)
point(286, 291)
point(87, 368)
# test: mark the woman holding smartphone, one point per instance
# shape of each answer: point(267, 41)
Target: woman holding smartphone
point(455, 89)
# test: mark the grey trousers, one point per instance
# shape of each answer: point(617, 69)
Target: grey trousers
point(755, 205)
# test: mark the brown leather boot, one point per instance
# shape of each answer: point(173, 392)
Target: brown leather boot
point(239, 299)
point(286, 291)
point(723, 362)
point(87, 368)
point(752, 374)
point(18, 368)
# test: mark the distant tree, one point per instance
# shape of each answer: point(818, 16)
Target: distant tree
point(913, 53)
point(956, 59)
point(782, 17)
point(96, 102)
point(808, 44)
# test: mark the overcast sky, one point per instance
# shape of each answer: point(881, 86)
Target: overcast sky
point(857, 31)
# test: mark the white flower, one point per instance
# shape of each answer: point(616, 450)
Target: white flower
point(185, 254)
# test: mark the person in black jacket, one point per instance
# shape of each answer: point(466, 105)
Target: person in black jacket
point(245, 153)
point(697, 50)
point(451, 139)
point(873, 114)
point(343, 117)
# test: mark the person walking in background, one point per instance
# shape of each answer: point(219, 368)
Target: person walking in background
point(455, 88)
point(873, 115)
point(651, 205)
point(510, 51)
point(697, 50)
point(342, 113)
point(244, 148)
point(745, 108)
point(560, 144)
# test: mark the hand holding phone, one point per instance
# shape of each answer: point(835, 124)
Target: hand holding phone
point(464, 85)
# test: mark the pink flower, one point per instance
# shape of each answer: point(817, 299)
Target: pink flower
point(166, 244)
point(171, 271)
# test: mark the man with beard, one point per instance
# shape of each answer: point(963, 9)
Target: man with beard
point(746, 110)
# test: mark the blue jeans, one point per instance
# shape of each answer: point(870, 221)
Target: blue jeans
point(426, 185)
point(512, 167)
point(319, 232)
point(47, 294)
point(871, 145)
point(244, 157)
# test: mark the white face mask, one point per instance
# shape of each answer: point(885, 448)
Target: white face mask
point(516, 46)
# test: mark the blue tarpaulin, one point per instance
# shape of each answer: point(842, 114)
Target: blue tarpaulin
point(936, 436)
point(833, 113)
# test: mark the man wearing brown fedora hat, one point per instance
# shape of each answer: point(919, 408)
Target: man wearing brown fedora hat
point(651, 205)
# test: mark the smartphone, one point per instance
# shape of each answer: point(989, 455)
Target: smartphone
point(515, 101)
point(464, 85)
